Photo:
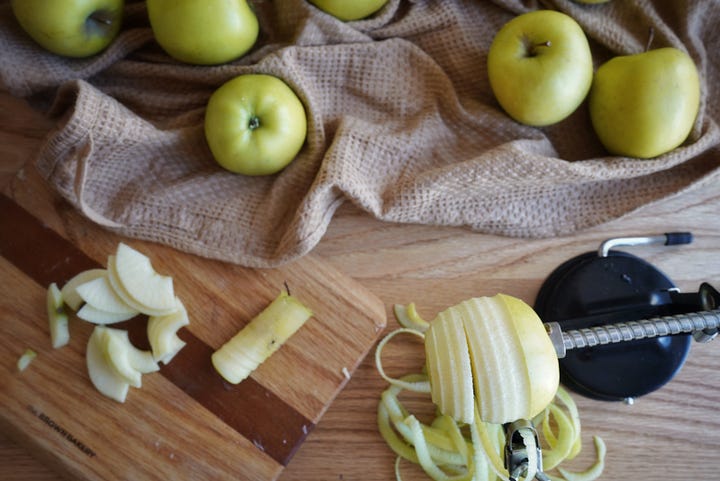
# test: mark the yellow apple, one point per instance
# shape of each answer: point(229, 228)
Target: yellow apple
point(540, 67)
point(203, 32)
point(347, 10)
point(645, 105)
point(255, 124)
point(73, 28)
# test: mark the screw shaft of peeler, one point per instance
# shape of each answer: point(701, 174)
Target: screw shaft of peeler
point(643, 329)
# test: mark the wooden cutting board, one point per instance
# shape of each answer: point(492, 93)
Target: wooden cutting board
point(184, 422)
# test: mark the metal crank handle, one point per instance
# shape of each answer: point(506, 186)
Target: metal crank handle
point(704, 325)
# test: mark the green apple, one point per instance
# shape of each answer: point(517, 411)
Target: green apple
point(540, 67)
point(255, 124)
point(349, 9)
point(203, 32)
point(72, 28)
point(645, 105)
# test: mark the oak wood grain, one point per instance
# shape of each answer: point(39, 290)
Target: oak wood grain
point(669, 435)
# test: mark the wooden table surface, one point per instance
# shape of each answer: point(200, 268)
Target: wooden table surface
point(671, 434)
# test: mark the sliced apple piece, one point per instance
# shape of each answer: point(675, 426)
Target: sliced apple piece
point(125, 295)
point(96, 316)
point(162, 333)
point(127, 360)
point(138, 278)
point(69, 291)
point(99, 294)
point(102, 375)
point(57, 317)
point(25, 359)
point(449, 367)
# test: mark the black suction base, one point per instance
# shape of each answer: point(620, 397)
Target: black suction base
point(591, 290)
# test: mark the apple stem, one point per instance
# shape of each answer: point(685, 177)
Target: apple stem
point(532, 48)
point(254, 123)
point(101, 17)
point(651, 37)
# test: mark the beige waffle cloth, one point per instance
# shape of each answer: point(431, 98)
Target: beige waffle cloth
point(401, 122)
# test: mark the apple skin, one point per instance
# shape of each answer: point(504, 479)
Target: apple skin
point(348, 10)
point(255, 124)
point(203, 32)
point(645, 105)
point(540, 67)
point(71, 28)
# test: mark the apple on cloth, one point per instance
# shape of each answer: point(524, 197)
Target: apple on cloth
point(79, 28)
point(401, 121)
point(203, 32)
point(350, 10)
point(644, 105)
point(540, 67)
point(255, 124)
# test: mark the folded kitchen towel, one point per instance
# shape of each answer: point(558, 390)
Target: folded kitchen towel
point(401, 122)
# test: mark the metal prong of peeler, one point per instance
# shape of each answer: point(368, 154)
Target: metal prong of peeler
point(669, 238)
point(516, 454)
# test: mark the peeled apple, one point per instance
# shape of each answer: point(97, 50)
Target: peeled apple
point(257, 341)
point(493, 351)
point(489, 361)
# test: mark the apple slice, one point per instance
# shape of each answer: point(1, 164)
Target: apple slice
point(96, 316)
point(127, 360)
point(102, 375)
point(69, 290)
point(25, 359)
point(57, 317)
point(144, 286)
point(449, 367)
point(99, 294)
point(162, 333)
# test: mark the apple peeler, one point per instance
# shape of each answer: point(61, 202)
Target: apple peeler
point(620, 327)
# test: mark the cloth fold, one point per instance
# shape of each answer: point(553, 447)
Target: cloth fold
point(401, 122)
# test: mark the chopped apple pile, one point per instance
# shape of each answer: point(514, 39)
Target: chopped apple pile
point(128, 287)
